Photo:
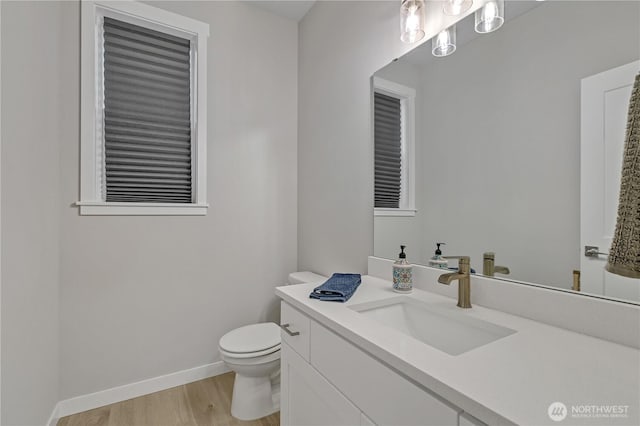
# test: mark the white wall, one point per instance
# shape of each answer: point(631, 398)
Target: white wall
point(341, 45)
point(31, 117)
point(89, 303)
point(146, 296)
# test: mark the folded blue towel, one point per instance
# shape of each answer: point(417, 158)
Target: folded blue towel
point(338, 288)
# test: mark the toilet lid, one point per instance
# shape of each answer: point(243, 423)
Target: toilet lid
point(251, 338)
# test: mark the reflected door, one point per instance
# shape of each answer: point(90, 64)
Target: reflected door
point(605, 104)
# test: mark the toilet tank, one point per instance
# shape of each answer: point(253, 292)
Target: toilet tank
point(305, 277)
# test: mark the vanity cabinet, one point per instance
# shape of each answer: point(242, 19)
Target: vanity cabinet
point(328, 380)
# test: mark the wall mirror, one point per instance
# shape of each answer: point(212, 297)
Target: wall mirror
point(496, 154)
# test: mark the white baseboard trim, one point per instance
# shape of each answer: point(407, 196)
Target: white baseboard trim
point(90, 401)
point(54, 417)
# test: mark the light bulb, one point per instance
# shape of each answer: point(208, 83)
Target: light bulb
point(412, 20)
point(444, 44)
point(490, 17)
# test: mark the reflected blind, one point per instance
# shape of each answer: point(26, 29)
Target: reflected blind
point(388, 150)
point(147, 115)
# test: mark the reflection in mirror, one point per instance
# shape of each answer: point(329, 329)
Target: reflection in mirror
point(518, 145)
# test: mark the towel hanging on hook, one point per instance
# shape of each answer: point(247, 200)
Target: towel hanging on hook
point(624, 256)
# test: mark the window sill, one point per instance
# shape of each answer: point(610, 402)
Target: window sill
point(394, 212)
point(88, 208)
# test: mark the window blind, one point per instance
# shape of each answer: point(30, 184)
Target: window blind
point(388, 150)
point(147, 115)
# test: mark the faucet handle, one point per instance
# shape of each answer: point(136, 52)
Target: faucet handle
point(489, 255)
point(461, 259)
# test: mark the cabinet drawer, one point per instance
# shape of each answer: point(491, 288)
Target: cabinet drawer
point(298, 323)
point(308, 399)
point(381, 393)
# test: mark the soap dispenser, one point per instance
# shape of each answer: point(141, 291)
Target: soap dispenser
point(437, 261)
point(402, 274)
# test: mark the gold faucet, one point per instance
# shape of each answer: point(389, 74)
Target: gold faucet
point(463, 277)
point(489, 267)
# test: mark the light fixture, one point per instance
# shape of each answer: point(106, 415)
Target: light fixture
point(456, 7)
point(490, 17)
point(412, 20)
point(444, 44)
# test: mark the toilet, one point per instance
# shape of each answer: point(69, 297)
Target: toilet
point(253, 353)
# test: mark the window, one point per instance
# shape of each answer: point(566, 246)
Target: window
point(143, 124)
point(394, 111)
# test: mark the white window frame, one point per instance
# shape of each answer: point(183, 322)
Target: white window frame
point(407, 96)
point(92, 201)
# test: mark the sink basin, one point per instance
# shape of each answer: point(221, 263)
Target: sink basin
point(449, 330)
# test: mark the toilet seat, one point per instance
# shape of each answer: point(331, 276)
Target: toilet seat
point(242, 355)
point(254, 360)
point(251, 341)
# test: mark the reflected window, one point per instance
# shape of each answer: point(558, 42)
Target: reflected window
point(393, 105)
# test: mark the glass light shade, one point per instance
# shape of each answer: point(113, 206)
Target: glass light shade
point(412, 20)
point(490, 17)
point(444, 44)
point(456, 7)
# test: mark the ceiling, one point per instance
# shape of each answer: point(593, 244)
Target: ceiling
point(290, 9)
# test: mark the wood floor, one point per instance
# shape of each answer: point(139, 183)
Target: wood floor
point(203, 403)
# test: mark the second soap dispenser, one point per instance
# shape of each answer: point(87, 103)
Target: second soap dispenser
point(437, 261)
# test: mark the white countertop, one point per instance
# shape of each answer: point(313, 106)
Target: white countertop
point(510, 381)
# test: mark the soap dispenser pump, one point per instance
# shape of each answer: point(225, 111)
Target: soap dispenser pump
point(437, 261)
point(402, 274)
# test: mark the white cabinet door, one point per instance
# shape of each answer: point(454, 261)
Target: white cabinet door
point(387, 398)
point(308, 399)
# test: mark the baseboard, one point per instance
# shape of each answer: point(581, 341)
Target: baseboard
point(90, 401)
point(54, 417)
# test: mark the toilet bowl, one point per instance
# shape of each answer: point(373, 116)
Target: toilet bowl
point(253, 353)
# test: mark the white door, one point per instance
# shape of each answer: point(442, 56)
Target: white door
point(308, 399)
point(604, 108)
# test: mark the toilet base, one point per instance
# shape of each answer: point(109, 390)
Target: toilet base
point(255, 397)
